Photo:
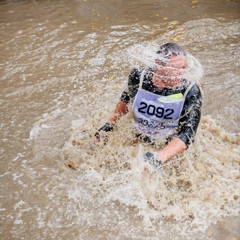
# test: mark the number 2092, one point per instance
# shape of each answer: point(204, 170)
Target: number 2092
point(152, 110)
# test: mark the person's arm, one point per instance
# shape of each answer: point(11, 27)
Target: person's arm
point(173, 148)
point(120, 110)
point(122, 106)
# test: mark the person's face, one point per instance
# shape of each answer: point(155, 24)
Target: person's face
point(171, 73)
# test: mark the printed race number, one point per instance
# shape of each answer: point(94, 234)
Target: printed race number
point(151, 124)
point(159, 112)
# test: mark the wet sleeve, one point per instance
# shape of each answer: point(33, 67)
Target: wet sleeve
point(133, 83)
point(191, 115)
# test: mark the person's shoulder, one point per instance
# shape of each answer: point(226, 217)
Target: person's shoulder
point(193, 90)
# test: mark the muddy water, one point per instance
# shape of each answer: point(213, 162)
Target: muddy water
point(63, 65)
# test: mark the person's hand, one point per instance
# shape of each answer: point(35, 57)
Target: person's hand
point(106, 128)
point(153, 159)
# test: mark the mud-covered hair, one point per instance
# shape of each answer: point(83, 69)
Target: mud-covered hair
point(169, 49)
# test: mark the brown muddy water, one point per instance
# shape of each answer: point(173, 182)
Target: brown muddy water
point(63, 66)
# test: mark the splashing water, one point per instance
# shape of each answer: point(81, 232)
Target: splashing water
point(188, 194)
point(144, 55)
point(184, 198)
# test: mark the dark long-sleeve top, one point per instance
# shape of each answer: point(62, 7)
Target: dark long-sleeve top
point(191, 113)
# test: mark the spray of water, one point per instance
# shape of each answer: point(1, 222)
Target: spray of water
point(184, 197)
point(189, 193)
point(144, 55)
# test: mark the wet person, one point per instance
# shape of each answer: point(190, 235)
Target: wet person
point(165, 104)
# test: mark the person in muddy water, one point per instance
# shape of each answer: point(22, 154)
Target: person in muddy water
point(165, 104)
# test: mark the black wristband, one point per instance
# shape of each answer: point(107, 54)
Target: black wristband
point(106, 128)
point(153, 160)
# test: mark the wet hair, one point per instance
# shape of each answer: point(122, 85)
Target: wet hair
point(169, 49)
